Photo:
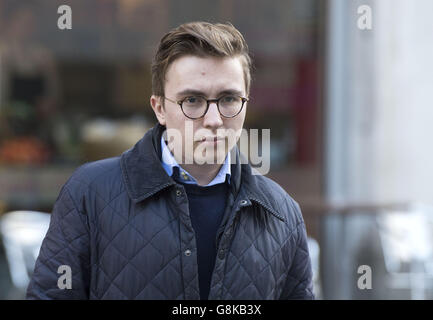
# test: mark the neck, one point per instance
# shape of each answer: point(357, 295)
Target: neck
point(204, 173)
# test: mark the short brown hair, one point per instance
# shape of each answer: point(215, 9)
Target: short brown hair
point(199, 39)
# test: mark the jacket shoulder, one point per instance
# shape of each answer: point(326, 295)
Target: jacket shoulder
point(100, 179)
point(279, 200)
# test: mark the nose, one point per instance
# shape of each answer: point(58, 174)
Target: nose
point(212, 118)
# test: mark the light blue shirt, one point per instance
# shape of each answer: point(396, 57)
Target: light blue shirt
point(169, 162)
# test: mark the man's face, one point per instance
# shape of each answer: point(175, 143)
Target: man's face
point(211, 78)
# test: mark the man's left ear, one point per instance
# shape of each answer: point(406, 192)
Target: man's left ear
point(157, 106)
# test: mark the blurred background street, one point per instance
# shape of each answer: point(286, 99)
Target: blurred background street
point(350, 110)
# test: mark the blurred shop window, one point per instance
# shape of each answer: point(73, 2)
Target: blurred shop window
point(29, 92)
point(406, 239)
point(22, 233)
point(132, 88)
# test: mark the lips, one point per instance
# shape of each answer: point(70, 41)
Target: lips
point(211, 139)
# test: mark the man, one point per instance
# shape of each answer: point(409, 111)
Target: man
point(179, 218)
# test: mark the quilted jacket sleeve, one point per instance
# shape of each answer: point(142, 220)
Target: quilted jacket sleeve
point(65, 248)
point(299, 283)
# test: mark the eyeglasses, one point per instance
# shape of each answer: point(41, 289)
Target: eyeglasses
point(195, 107)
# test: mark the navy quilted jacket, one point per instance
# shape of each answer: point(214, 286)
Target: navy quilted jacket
point(122, 225)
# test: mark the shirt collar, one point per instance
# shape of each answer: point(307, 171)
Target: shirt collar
point(169, 162)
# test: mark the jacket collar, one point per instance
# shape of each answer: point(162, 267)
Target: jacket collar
point(144, 174)
point(141, 166)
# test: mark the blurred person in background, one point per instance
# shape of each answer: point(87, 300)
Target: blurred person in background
point(150, 225)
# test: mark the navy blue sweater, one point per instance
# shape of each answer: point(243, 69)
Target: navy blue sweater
point(206, 209)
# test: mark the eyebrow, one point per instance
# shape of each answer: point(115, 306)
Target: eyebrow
point(193, 92)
